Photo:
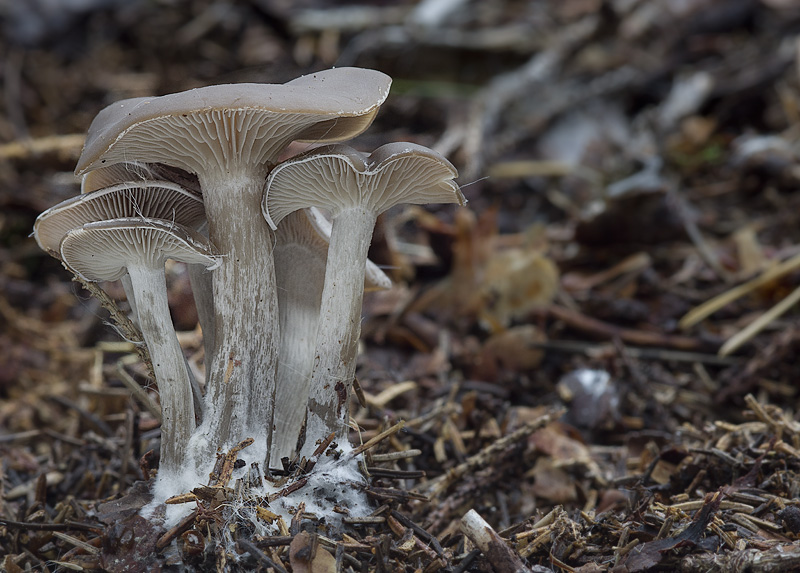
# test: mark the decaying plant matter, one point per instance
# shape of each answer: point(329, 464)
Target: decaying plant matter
point(135, 213)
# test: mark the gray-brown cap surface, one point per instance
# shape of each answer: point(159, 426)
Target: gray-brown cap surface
point(234, 122)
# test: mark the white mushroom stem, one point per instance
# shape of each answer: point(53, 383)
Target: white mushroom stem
point(125, 280)
point(169, 366)
point(203, 293)
point(300, 276)
point(239, 381)
point(197, 396)
point(202, 287)
point(339, 326)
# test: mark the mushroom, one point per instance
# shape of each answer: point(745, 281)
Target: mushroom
point(230, 136)
point(355, 188)
point(198, 277)
point(106, 250)
point(145, 199)
point(148, 199)
point(301, 249)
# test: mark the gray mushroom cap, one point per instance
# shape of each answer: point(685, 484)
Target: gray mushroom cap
point(102, 251)
point(337, 176)
point(143, 199)
point(234, 123)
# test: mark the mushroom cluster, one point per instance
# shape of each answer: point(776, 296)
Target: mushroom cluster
point(195, 176)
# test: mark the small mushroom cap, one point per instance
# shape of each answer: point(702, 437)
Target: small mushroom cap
point(117, 173)
point(135, 171)
point(313, 230)
point(143, 199)
point(336, 177)
point(234, 123)
point(102, 251)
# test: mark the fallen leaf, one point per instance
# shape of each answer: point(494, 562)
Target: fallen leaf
point(306, 556)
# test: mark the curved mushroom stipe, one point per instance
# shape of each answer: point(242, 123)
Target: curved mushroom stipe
point(355, 188)
point(106, 250)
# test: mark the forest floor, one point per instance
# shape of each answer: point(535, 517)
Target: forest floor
point(598, 355)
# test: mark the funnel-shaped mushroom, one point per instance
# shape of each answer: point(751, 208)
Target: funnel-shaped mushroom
point(301, 249)
point(198, 277)
point(230, 136)
point(355, 188)
point(153, 175)
point(106, 250)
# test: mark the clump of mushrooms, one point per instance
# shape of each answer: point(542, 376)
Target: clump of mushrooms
point(105, 251)
point(302, 236)
point(278, 286)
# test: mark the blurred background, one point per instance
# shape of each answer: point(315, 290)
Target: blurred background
point(625, 161)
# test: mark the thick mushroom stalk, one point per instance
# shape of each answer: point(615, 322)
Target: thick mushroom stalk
point(105, 250)
point(355, 188)
point(230, 136)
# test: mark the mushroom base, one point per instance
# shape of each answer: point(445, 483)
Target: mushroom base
point(335, 488)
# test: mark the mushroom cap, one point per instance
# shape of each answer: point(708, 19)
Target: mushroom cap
point(102, 251)
point(113, 174)
point(142, 199)
point(234, 123)
point(337, 177)
point(312, 230)
point(136, 171)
